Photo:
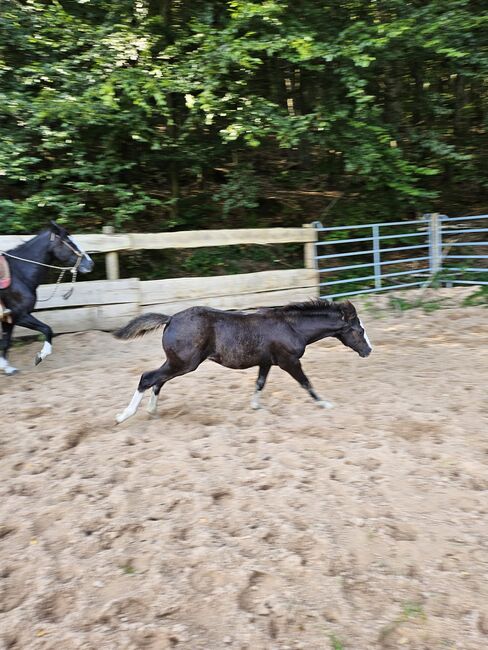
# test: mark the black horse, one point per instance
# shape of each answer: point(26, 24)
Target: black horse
point(28, 264)
point(275, 336)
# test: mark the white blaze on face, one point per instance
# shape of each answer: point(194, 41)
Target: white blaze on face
point(85, 254)
point(365, 335)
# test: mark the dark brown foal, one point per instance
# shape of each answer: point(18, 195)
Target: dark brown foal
point(267, 337)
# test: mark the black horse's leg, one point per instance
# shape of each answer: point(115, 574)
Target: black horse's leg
point(156, 378)
point(294, 368)
point(33, 323)
point(261, 380)
point(7, 329)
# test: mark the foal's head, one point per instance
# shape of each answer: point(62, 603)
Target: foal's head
point(65, 249)
point(352, 334)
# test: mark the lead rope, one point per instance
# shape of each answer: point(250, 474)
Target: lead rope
point(67, 294)
point(74, 272)
point(74, 275)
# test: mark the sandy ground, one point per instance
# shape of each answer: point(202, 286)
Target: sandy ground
point(214, 526)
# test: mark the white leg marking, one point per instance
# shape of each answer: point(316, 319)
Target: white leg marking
point(255, 403)
point(152, 407)
point(47, 349)
point(132, 408)
point(323, 403)
point(365, 335)
point(7, 369)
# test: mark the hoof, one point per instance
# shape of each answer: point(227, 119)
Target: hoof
point(120, 418)
point(10, 371)
point(325, 405)
point(38, 359)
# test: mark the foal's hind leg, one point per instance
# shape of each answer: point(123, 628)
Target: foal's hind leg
point(261, 380)
point(152, 407)
point(155, 378)
point(294, 368)
point(146, 381)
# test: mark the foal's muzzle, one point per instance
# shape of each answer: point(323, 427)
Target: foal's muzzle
point(365, 353)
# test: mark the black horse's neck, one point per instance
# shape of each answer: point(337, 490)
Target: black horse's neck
point(36, 249)
point(315, 326)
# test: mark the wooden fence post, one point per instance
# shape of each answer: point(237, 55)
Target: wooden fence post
point(309, 252)
point(309, 247)
point(111, 259)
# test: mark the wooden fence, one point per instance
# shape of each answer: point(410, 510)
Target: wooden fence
point(107, 304)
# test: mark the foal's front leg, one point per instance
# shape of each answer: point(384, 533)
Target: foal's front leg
point(261, 380)
point(33, 323)
point(294, 368)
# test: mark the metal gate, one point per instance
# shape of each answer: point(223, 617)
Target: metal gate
point(401, 254)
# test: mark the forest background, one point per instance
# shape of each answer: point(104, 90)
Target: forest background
point(153, 115)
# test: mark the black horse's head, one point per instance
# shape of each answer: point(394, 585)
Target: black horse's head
point(352, 334)
point(65, 250)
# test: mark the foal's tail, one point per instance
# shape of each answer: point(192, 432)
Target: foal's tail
point(142, 324)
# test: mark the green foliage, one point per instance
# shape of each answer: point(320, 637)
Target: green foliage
point(240, 191)
point(478, 297)
point(410, 612)
point(157, 114)
point(336, 644)
point(427, 305)
point(128, 569)
point(228, 260)
point(413, 610)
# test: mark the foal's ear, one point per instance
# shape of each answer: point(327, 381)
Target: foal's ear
point(348, 310)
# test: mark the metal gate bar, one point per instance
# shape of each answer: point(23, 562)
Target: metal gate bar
point(435, 229)
point(450, 229)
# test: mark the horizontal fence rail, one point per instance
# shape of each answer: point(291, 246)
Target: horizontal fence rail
point(106, 243)
point(338, 261)
point(110, 243)
point(107, 304)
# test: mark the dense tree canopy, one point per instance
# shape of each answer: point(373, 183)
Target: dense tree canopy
point(169, 113)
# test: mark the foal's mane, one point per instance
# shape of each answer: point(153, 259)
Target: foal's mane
point(316, 306)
